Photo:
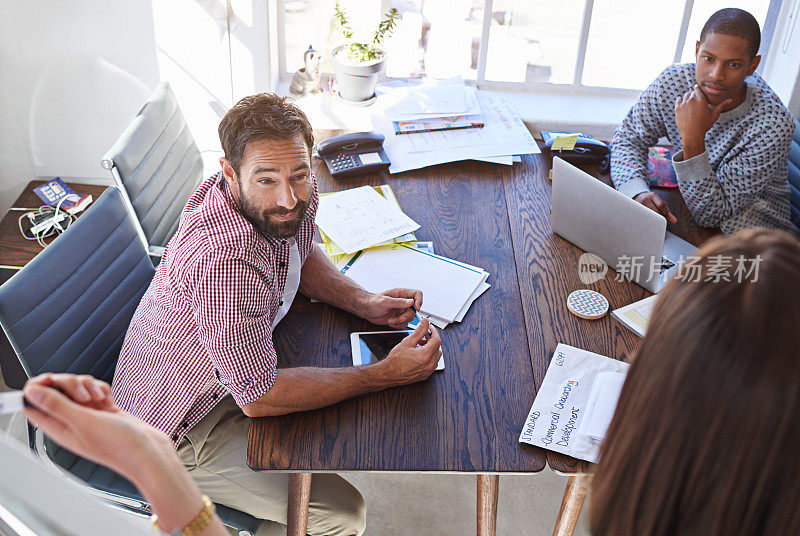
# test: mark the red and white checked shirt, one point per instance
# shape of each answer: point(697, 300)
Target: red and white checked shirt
point(204, 327)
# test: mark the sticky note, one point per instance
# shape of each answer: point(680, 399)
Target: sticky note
point(564, 143)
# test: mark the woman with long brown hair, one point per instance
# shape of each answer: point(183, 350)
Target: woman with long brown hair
point(706, 436)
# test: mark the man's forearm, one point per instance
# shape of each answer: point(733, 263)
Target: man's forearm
point(319, 279)
point(628, 163)
point(307, 388)
point(694, 144)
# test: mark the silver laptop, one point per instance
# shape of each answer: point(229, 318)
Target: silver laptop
point(628, 236)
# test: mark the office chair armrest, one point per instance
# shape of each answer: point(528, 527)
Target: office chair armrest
point(155, 251)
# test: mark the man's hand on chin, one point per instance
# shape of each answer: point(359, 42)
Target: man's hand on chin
point(392, 307)
point(695, 116)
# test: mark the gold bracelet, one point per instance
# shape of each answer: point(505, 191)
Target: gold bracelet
point(196, 525)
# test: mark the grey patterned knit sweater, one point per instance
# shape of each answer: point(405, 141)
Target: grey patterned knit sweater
point(741, 179)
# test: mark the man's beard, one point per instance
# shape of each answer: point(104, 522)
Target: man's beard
point(261, 221)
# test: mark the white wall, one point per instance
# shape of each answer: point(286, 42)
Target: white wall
point(782, 69)
point(55, 54)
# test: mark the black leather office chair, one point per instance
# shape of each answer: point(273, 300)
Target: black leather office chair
point(794, 175)
point(68, 311)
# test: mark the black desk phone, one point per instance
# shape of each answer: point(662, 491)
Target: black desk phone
point(358, 153)
point(588, 150)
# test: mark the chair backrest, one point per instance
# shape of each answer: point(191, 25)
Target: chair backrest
point(69, 308)
point(794, 175)
point(157, 165)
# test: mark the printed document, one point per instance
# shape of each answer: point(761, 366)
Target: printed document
point(503, 133)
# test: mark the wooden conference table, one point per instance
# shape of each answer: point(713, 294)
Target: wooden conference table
point(468, 417)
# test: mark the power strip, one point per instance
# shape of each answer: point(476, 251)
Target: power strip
point(44, 221)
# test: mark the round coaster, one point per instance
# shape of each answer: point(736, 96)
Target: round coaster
point(587, 304)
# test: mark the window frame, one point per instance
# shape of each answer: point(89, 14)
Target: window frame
point(576, 87)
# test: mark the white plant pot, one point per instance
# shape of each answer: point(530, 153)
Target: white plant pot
point(356, 81)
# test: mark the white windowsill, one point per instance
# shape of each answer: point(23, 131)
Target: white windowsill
point(596, 115)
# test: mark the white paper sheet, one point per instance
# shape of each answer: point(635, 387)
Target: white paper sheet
point(506, 160)
point(445, 100)
point(555, 419)
point(483, 287)
point(636, 316)
point(446, 285)
point(359, 218)
point(431, 100)
point(601, 405)
point(504, 133)
point(435, 320)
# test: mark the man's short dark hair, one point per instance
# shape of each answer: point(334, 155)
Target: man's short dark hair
point(735, 22)
point(264, 116)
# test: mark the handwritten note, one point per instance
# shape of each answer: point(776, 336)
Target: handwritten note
point(359, 218)
point(560, 407)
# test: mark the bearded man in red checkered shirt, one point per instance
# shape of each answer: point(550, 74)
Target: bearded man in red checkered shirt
point(198, 359)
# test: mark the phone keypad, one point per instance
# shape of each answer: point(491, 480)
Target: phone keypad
point(342, 162)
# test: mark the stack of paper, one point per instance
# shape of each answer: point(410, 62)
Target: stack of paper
point(369, 238)
point(502, 136)
point(335, 253)
point(636, 316)
point(361, 218)
point(448, 287)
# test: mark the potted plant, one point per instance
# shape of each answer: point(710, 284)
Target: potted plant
point(358, 66)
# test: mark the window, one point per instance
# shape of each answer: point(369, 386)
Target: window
point(585, 45)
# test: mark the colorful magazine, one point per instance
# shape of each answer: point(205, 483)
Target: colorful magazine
point(660, 172)
point(54, 191)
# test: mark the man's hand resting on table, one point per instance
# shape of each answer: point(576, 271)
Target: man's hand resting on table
point(392, 307)
point(305, 388)
point(415, 357)
point(654, 202)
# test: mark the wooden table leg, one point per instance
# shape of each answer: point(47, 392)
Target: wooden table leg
point(488, 487)
point(571, 505)
point(297, 508)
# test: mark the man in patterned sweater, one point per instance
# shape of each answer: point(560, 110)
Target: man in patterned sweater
point(731, 133)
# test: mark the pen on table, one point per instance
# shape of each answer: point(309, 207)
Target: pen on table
point(416, 315)
point(423, 130)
